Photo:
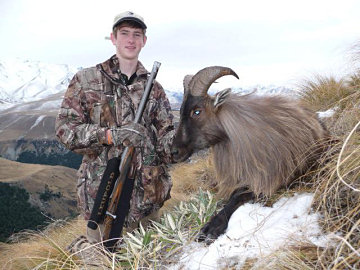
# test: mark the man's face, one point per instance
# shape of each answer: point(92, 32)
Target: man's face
point(128, 42)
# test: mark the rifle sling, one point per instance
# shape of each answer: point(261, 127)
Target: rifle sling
point(104, 191)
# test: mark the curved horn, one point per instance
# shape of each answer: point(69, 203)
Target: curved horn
point(201, 81)
point(186, 82)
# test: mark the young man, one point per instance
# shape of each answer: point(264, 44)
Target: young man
point(96, 118)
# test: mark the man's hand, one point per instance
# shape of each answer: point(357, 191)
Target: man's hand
point(133, 132)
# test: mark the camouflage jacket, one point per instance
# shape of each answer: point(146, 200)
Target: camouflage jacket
point(97, 99)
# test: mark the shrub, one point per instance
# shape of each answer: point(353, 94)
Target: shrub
point(48, 194)
point(69, 159)
point(16, 213)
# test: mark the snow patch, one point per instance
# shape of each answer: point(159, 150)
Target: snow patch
point(327, 114)
point(38, 120)
point(255, 231)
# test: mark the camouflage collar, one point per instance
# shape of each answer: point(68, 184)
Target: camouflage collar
point(111, 68)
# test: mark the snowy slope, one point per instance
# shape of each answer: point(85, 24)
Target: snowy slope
point(24, 81)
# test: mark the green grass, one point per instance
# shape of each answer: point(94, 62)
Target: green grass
point(162, 241)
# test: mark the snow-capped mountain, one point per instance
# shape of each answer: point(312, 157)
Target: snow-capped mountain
point(30, 97)
point(267, 90)
point(24, 81)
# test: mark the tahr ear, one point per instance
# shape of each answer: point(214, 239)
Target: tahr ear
point(186, 82)
point(220, 98)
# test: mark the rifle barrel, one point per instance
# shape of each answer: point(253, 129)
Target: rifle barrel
point(147, 91)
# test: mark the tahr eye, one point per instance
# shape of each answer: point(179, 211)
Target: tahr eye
point(196, 113)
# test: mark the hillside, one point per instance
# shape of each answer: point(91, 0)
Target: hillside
point(51, 188)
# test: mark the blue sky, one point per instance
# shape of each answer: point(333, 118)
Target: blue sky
point(266, 42)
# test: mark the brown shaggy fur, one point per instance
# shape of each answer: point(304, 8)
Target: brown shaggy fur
point(271, 140)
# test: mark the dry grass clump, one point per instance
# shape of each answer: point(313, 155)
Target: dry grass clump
point(337, 197)
point(322, 93)
point(189, 177)
point(345, 118)
point(354, 80)
point(43, 250)
point(337, 193)
point(48, 249)
point(304, 256)
point(340, 95)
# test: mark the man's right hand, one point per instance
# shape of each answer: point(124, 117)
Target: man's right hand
point(133, 132)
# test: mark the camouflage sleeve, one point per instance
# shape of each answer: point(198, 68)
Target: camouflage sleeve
point(163, 123)
point(73, 126)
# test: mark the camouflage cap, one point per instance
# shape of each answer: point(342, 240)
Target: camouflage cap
point(129, 16)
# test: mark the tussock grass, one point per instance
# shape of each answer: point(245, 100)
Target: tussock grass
point(189, 177)
point(322, 93)
point(343, 96)
point(304, 256)
point(347, 116)
point(337, 197)
point(42, 250)
point(337, 184)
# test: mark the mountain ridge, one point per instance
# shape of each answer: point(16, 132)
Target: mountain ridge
point(23, 81)
point(30, 98)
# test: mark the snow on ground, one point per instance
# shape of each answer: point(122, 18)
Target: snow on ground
point(38, 120)
point(327, 114)
point(255, 231)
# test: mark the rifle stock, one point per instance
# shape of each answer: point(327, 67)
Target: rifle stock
point(125, 174)
point(106, 186)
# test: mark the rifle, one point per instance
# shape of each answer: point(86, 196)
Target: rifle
point(118, 180)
